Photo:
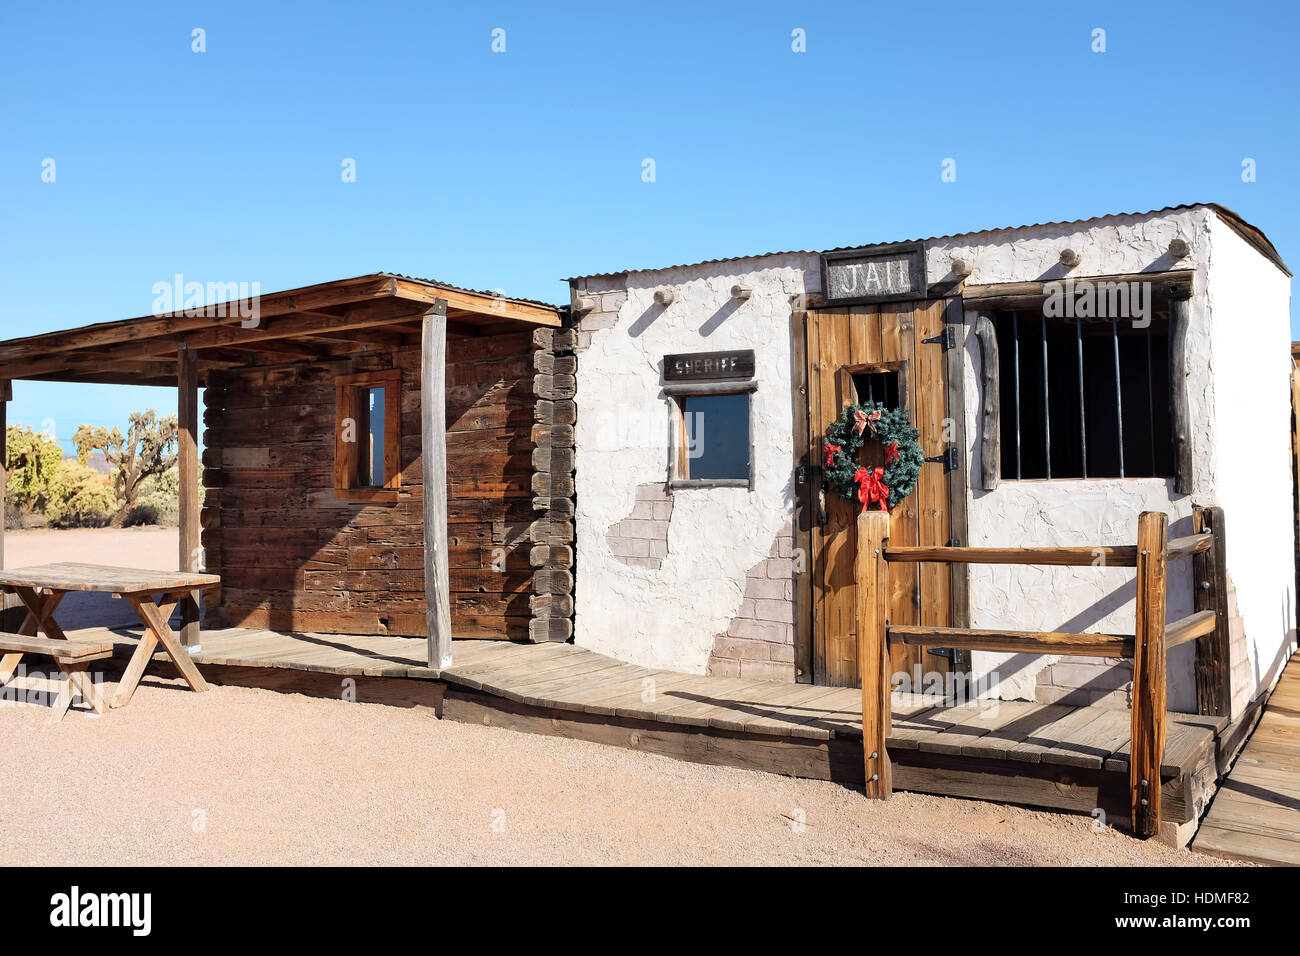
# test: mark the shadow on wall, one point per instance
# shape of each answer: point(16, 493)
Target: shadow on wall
point(713, 322)
point(645, 320)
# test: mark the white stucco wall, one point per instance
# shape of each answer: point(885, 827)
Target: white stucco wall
point(1249, 299)
point(669, 617)
point(1093, 511)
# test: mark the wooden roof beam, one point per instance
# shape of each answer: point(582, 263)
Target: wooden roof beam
point(487, 306)
point(294, 326)
point(146, 327)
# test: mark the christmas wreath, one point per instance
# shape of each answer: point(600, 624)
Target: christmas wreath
point(885, 485)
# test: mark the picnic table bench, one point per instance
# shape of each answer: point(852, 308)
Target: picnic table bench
point(153, 595)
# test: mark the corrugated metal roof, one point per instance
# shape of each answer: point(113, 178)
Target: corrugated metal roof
point(1252, 234)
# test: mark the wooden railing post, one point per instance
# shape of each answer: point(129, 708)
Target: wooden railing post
point(1148, 746)
point(872, 580)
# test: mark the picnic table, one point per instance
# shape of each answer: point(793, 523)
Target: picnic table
point(153, 595)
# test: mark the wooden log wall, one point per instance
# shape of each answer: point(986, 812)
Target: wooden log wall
point(294, 555)
point(552, 534)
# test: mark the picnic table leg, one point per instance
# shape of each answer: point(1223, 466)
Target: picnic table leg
point(152, 615)
point(135, 669)
point(67, 691)
point(40, 609)
point(40, 612)
point(8, 667)
point(79, 677)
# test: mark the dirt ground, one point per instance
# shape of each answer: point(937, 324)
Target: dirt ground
point(242, 776)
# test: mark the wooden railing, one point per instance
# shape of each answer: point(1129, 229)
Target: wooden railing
point(1153, 636)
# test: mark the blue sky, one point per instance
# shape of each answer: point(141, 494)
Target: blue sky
point(515, 170)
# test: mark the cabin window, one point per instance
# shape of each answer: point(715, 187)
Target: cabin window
point(711, 446)
point(367, 444)
point(1084, 397)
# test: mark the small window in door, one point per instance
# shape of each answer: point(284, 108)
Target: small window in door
point(877, 386)
point(368, 436)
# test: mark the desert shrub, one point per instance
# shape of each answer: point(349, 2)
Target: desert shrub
point(33, 464)
point(159, 500)
point(80, 498)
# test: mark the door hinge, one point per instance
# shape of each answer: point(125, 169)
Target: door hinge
point(948, 458)
point(947, 338)
point(947, 652)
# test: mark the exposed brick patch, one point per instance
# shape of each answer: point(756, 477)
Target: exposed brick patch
point(759, 642)
point(1087, 682)
point(641, 539)
point(609, 297)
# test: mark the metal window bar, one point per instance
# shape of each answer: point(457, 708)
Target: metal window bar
point(1083, 418)
point(1119, 400)
point(1047, 420)
point(1015, 334)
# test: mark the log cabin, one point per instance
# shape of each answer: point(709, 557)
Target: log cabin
point(323, 411)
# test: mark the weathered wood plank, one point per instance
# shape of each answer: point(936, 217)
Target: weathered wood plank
point(1148, 717)
point(872, 597)
point(1210, 593)
point(1122, 556)
point(1045, 642)
point(433, 444)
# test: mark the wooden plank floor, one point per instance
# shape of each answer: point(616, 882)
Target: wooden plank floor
point(568, 678)
point(1256, 813)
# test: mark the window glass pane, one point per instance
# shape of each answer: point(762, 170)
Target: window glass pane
point(717, 436)
point(374, 464)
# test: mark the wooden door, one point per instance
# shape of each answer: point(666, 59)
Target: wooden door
point(856, 341)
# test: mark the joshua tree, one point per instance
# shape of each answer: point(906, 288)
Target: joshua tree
point(149, 448)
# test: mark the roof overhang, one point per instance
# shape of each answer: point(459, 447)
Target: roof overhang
point(324, 321)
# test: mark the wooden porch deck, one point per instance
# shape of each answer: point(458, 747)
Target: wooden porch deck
point(1043, 755)
point(1256, 814)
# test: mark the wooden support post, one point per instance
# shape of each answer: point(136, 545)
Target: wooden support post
point(6, 393)
point(1148, 730)
point(433, 449)
point(872, 580)
point(1213, 651)
point(1180, 415)
point(187, 457)
point(11, 609)
point(990, 463)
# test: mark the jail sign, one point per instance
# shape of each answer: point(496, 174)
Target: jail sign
point(709, 366)
point(873, 274)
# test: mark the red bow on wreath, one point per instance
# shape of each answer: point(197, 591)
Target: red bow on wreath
point(861, 420)
point(830, 450)
point(871, 488)
point(891, 453)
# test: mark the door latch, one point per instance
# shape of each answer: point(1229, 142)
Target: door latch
point(806, 473)
point(948, 459)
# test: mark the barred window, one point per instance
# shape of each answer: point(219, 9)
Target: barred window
point(1084, 397)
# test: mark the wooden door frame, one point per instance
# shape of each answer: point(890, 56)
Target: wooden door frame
point(805, 459)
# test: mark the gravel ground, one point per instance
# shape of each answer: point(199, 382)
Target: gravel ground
point(243, 776)
point(246, 777)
